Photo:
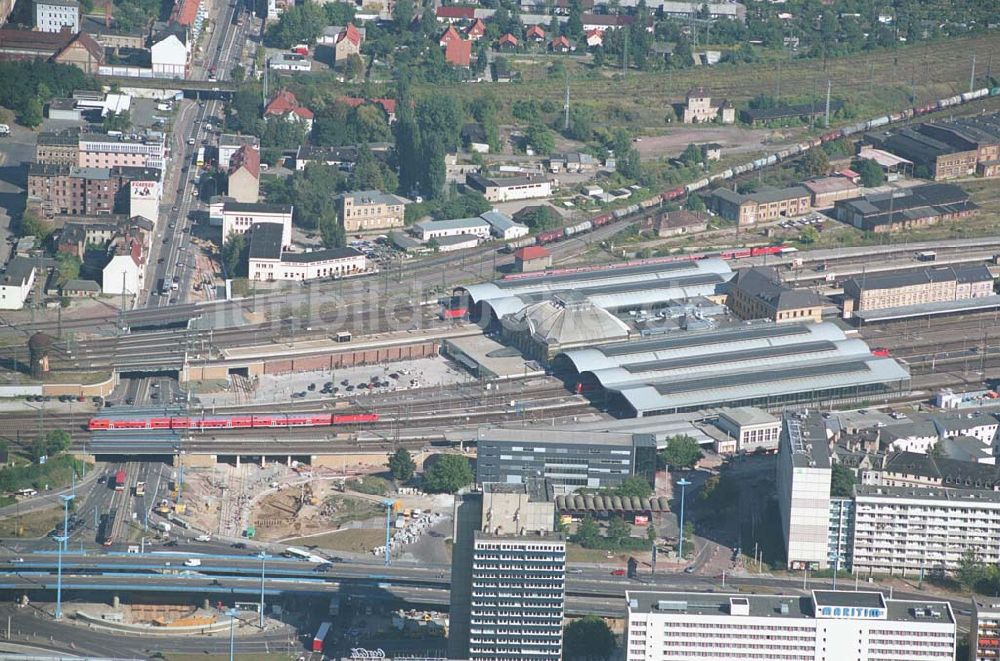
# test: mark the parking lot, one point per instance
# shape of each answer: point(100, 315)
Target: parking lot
point(814, 219)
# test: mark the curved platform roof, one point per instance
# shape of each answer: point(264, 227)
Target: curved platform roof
point(697, 343)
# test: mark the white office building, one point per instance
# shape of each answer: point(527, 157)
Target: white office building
point(16, 281)
point(823, 626)
point(804, 474)
point(911, 530)
point(436, 229)
point(57, 15)
point(239, 217)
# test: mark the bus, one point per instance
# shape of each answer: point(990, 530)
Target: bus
point(200, 160)
point(120, 481)
point(320, 638)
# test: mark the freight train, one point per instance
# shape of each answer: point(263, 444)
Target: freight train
point(679, 192)
point(232, 421)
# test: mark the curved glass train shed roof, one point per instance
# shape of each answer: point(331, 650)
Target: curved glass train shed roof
point(813, 381)
point(642, 274)
point(727, 361)
point(694, 343)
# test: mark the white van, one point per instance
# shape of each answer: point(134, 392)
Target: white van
point(27, 493)
point(4, 130)
point(192, 562)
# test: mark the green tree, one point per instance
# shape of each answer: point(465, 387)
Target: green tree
point(809, 234)
point(651, 532)
point(842, 481)
point(541, 218)
point(691, 155)
point(681, 452)
point(634, 487)
point(342, 13)
point(57, 441)
point(542, 139)
point(574, 24)
point(233, 251)
point(618, 530)
point(588, 639)
point(871, 173)
point(581, 123)
point(402, 13)
point(401, 465)
point(33, 225)
point(298, 24)
point(121, 121)
point(68, 268)
point(588, 533)
point(694, 203)
point(971, 570)
point(448, 474)
point(31, 115)
point(353, 67)
point(815, 163)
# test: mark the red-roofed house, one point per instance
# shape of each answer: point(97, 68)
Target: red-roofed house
point(82, 52)
point(508, 42)
point(535, 33)
point(458, 53)
point(284, 104)
point(477, 30)
point(189, 14)
point(348, 43)
point(124, 271)
point(532, 258)
point(595, 38)
point(244, 175)
point(560, 45)
point(451, 34)
point(455, 14)
point(388, 105)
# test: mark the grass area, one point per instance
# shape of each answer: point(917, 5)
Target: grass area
point(873, 82)
point(576, 553)
point(352, 540)
point(35, 524)
point(207, 386)
point(369, 484)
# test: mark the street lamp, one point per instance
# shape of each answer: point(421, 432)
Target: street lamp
point(263, 559)
point(683, 484)
point(62, 540)
point(232, 631)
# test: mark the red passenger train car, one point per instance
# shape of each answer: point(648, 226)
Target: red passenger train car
point(243, 421)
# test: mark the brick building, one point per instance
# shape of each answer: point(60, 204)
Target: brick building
point(758, 293)
point(761, 206)
point(72, 190)
point(916, 287)
point(58, 147)
point(698, 108)
point(371, 210)
point(947, 150)
point(825, 191)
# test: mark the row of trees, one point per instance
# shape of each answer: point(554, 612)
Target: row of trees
point(447, 474)
point(26, 86)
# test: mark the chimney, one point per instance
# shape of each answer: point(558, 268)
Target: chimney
point(107, 14)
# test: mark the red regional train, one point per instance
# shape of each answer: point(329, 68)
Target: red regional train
point(232, 421)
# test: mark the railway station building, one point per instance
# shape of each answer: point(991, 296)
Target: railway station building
point(882, 291)
point(758, 293)
point(768, 366)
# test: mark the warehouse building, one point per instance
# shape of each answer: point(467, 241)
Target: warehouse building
point(769, 366)
point(914, 287)
point(827, 190)
point(569, 460)
point(761, 206)
point(948, 149)
point(823, 625)
point(906, 208)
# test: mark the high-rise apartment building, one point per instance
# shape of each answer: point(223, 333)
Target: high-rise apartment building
point(823, 626)
point(804, 474)
point(508, 575)
point(984, 634)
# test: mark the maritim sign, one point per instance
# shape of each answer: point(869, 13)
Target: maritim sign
point(850, 613)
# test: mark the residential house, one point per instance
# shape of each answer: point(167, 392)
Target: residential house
point(123, 274)
point(388, 105)
point(476, 31)
point(612, 21)
point(452, 14)
point(698, 108)
point(80, 288)
point(348, 43)
point(16, 282)
point(170, 53)
point(240, 217)
point(57, 15)
point(458, 53)
point(362, 211)
point(449, 35)
point(595, 38)
point(82, 52)
point(244, 175)
point(535, 34)
point(230, 143)
point(284, 104)
point(269, 260)
point(561, 45)
point(342, 158)
point(758, 293)
point(508, 42)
